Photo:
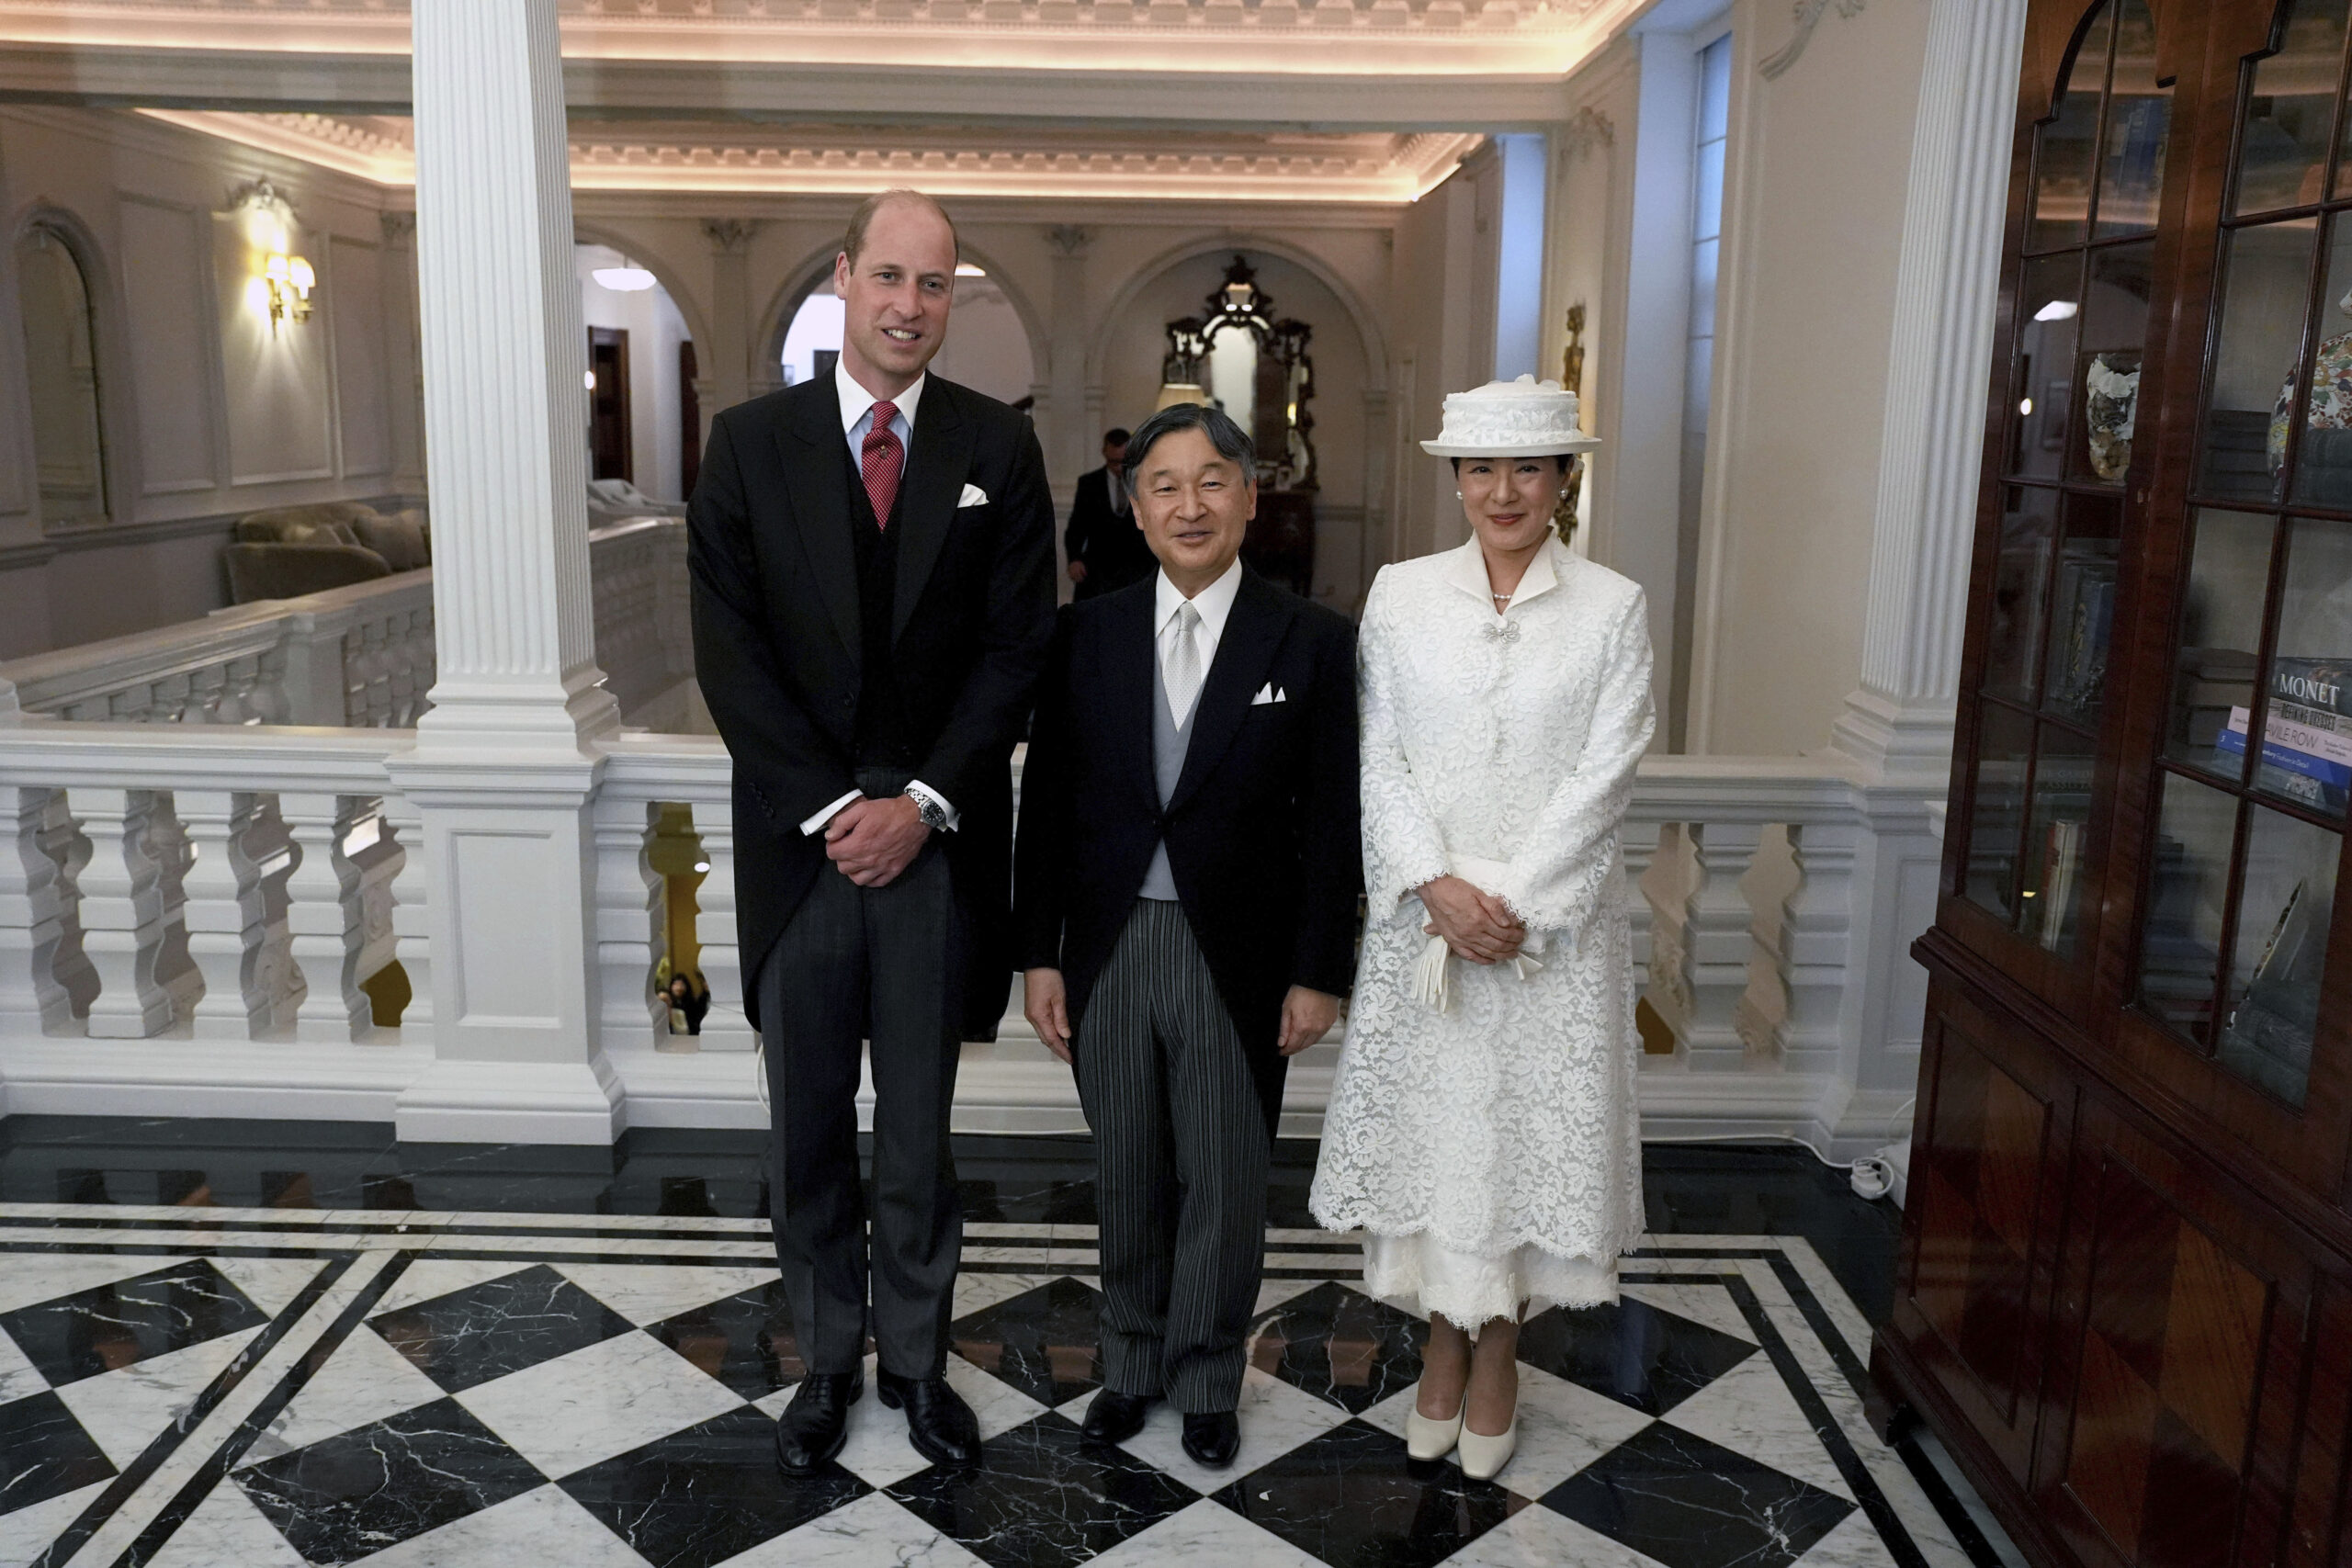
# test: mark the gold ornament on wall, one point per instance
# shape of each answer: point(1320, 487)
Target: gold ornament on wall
point(1564, 516)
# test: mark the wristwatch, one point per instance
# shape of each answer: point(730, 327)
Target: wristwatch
point(935, 816)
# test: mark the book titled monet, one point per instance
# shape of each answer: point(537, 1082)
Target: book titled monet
point(2307, 736)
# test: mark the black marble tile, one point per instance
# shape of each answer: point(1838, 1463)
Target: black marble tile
point(112, 1327)
point(1353, 1498)
point(745, 1341)
point(1042, 1495)
point(1747, 1189)
point(355, 1494)
point(501, 1326)
point(44, 1452)
point(1689, 1503)
point(1634, 1353)
point(1340, 1345)
point(1042, 1341)
point(706, 1494)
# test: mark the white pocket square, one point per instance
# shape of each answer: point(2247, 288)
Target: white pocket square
point(973, 496)
point(1269, 693)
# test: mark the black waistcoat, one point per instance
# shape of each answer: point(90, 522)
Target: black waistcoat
point(883, 740)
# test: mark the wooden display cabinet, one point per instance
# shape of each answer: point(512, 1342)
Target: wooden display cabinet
point(2125, 1291)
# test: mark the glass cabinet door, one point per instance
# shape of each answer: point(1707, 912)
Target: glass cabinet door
point(2256, 762)
point(2079, 336)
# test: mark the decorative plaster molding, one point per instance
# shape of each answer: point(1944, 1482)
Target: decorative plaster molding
point(399, 227)
point(1808, 17)
point(1069, 239)
point(1586, 131)
point(730, 236)
point(262, 196)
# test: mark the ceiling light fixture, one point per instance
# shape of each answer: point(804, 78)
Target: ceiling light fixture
point(969, 269)
point(2057, 310)
point(624, 279)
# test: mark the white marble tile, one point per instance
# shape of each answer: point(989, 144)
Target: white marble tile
point(872, 1532)
point(1700, 1302)
point(19, 1376)
point(33, 1277)
point(541, 1525)
point(877, 1452)
point(645, 1293)
point(1201, 1533)
point(577, 1410)
point(973, 1292)
point(270, 1283)
point(1275, 1419)
point(1272, 1293)
point(1038, 1258)
point(1563, 1427)
point(1854, 1543)
point(227, 1529)
point(1537, 1538)
point(439, 1276)
point(26, 1534)
point(365, 1380)
point(1750, 1411)
point(125, 1410)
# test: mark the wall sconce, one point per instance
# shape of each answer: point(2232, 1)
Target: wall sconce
point(291, 281)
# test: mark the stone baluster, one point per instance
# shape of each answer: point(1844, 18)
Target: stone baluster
point(376, 858)
point(725, 1027)
point(629, 926)
point(323, 913)
point(122, 913)
point(175, 971)
point(1719, 928)
point(33, 925)
point(1816, 921)
point(412, 917)
point(224, 912)
point(69, 849)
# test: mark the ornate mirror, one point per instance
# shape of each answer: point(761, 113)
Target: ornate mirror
point(1239, 356)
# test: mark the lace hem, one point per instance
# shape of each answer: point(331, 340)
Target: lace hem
point(1471, 1288)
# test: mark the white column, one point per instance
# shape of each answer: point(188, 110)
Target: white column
point(1898, 723)
point(1946, 281)
point(505, 764)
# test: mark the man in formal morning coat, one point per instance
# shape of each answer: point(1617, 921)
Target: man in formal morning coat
point(871, 562)
point(1186, 884)
point(1105, 548)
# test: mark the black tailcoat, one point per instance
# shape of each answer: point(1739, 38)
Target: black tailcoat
point(1261, 828)
point(777, 640)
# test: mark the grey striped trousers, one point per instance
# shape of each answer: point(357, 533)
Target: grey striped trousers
point(1181, 1154)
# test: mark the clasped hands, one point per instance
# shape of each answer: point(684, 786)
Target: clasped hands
point(1308, 1014)
point(872, 841)
point(1477, 926)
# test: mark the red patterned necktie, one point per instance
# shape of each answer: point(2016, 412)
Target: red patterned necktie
point(880, 460)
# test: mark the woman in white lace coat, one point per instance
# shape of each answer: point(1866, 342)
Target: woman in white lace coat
point(1482, 1130)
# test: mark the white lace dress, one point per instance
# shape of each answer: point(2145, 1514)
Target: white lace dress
point(1492, 1151)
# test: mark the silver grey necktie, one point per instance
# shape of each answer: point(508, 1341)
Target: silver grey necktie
point(1180, 670)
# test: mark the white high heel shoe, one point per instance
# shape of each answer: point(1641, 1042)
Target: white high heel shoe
point(1483, 1457)
point(1428, 1438)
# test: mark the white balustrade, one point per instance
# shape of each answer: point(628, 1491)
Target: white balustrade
point(363, 657)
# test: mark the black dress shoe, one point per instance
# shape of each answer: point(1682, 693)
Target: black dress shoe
point(1116, 1418)
point(816, 1424)
point(940, 1425)
point(1213, 1439)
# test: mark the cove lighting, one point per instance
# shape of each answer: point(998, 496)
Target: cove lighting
point(2056, 310)
point(623, 279)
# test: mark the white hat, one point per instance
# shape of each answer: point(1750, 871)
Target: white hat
point(1525, 418)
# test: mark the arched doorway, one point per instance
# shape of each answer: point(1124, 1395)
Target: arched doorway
point(59, 320)
point(642, 425)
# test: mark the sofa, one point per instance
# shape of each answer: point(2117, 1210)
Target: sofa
point(285, 552)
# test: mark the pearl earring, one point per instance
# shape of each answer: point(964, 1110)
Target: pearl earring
point(1457, 495)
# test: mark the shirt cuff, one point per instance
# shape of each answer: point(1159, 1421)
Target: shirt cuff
point(816, 824)
point(954, 818)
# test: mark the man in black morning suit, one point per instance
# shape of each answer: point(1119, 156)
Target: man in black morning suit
point(1186, 885)
point(872, 563)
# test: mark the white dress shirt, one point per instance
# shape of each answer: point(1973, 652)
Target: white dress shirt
point(1215, 603)
point(857, 420)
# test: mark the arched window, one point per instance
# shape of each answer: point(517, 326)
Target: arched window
point(61, 375)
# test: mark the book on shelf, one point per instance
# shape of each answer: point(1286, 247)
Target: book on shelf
point(2086, 618)
point(2307, 734)
point(2061, 853)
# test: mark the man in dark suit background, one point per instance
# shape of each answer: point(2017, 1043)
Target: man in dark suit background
point(871, 555)
point(1186, 883)
point(1107, 550)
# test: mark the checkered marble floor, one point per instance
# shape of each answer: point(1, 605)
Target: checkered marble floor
point(269, 1389)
